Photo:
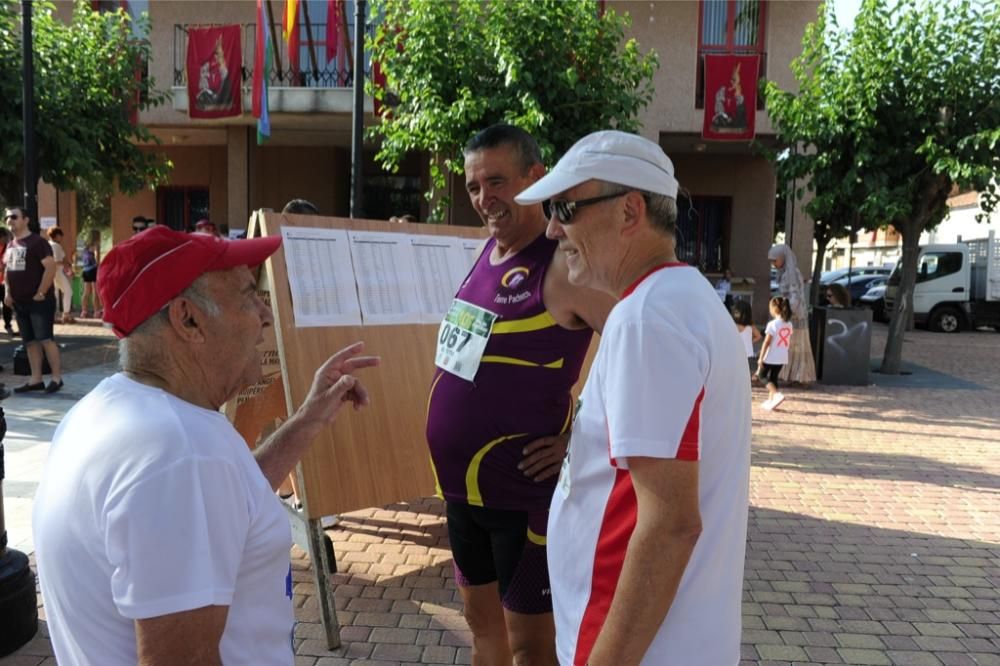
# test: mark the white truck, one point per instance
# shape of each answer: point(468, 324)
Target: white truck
point(958, 286)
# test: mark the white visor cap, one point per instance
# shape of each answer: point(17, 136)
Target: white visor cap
point(612, 156)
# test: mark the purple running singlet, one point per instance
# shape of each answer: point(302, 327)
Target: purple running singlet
point(477, 429)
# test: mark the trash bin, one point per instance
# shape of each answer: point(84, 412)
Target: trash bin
point(842, 340)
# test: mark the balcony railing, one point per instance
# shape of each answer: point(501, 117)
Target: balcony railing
point(314, 70)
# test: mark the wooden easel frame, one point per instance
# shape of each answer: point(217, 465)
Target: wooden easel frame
point(369, 458)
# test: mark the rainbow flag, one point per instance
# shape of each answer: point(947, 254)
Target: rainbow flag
point(262, 58)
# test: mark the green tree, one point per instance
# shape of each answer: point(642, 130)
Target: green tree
point(85, 88)
point(557, 68)
point(815, 152)
point(894, 115)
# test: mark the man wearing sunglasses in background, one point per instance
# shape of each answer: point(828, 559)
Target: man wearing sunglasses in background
point(31, 270)
point(510, 349)
point(647, 531)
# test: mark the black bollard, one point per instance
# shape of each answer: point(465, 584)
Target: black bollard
point(18, 608)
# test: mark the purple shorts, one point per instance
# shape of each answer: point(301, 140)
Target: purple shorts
point(506, 547)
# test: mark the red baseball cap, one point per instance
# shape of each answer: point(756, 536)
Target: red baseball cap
point(141, 275)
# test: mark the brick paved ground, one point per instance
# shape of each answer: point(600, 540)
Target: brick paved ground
point(874, 534)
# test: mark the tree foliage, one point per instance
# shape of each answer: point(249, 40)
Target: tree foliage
point(815, 153)
point(891, 116)
point(557, 68)
point(85, 87)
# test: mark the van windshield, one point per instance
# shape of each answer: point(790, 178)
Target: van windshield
point(934, 265)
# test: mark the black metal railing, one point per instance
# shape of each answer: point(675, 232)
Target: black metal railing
point(313, 71)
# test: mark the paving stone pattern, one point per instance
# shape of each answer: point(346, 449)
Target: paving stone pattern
point(874, 535)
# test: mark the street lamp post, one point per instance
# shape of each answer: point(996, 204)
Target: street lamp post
point(18, 606)
point(28, 113)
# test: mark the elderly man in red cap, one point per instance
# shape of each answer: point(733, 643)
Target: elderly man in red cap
point(159, 537)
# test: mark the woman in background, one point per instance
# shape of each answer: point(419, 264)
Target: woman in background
point(64, 272)
point(801, 368)
point(90, 257)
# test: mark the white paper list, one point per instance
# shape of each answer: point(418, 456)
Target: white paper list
point(470, 246)
point(440, 268)
point(383, 268)
point(321, 277)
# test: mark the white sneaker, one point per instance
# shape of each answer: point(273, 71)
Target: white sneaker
point(768, 404)
point(779, 397)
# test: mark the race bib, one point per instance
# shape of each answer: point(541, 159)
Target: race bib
point(462, 339)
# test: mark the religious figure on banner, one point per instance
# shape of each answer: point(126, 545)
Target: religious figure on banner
point(215, 84)
point(730, 112)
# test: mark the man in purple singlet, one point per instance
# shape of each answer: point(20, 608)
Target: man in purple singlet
point(509, 350)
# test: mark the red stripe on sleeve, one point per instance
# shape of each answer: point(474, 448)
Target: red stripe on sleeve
point(616, 530)
point(690, 447)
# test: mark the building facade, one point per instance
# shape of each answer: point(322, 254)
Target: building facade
point(220, 172)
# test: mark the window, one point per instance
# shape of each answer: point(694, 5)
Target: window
point(703, 228)
point(386, 196)
point(730, 27)
point(934, 265)
point(180, 207)
point(315, 31)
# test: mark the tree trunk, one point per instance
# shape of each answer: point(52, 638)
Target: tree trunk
point(934, 193)
point(822, 242)
point(892, 357)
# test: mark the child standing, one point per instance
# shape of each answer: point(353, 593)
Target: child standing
point(743, 316)
point(774, 351)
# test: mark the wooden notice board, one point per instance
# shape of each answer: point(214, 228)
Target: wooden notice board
point(371, 457)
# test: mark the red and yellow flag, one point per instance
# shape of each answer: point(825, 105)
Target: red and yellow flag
point(290, 31)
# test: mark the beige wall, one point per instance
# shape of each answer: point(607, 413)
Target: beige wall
point(62, 206)
point(319, 174)
point(671, 28)
point(751, 185)
point(163, 16)
point(202, 166)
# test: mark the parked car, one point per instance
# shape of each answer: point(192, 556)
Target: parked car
point(857, 271)
point(859, 284)
point(874, 299)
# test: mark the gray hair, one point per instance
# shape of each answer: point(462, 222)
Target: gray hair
point(142, 349)
point(662, 209)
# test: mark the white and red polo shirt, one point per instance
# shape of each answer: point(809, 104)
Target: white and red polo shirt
point(669, 381)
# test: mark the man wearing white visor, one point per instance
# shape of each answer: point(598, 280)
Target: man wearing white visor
point(647, 531)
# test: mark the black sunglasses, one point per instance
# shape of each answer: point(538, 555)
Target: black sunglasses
point(563, 210)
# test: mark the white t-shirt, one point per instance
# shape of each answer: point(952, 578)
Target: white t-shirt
point(58, 253)
point(669, 381)
point(781, 337)
point(746, 335)
point(150, 505)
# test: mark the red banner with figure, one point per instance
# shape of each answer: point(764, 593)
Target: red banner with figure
point(730, 97)
point(214, 72)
